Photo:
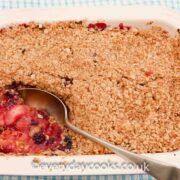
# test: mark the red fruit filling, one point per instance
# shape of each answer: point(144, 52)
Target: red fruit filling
point(98, 26)
point(24, 129)
point(101, 26)
point(24, 25)
point(148, 73)
point(122, 26)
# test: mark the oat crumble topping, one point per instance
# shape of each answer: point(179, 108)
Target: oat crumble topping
point(121, 83)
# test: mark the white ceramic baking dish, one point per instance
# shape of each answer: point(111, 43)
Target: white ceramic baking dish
point(87, 165)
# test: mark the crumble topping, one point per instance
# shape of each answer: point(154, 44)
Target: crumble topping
point(121, 83)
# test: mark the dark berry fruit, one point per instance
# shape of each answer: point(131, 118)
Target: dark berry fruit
point(67, 81)
point(13, 85)
point(9, 95)
point(68, 142)
point(34, 122)
point(39, 138)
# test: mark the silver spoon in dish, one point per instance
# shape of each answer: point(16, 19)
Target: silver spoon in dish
point(56, 107)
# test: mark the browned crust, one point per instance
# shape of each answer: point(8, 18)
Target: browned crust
point(109, 94)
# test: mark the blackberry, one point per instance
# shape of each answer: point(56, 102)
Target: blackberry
point(39, 138)
point(34, 122)
point(68, 141)
point(14, 85)
point(67, 81)
point(9, 95)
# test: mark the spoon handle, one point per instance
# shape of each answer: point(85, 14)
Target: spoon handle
point(157, 169)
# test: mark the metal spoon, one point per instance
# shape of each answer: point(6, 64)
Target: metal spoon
point(55, 106)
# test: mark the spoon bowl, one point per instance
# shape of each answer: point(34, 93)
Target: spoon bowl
point(41, 99)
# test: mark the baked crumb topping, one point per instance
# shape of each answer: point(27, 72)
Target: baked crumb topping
point(120, 83)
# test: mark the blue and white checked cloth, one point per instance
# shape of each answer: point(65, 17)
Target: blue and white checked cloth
point(8, 4)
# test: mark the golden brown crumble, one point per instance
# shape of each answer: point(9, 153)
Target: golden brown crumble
point(122, 85)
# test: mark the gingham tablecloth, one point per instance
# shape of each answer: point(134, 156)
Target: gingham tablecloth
point(8, 4)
